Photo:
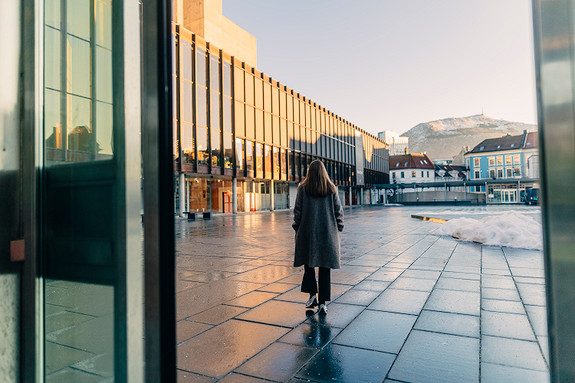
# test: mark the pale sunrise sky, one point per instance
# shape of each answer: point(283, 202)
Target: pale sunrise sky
point(389, 65)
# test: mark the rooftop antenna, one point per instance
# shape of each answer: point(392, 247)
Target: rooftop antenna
point(482, 111)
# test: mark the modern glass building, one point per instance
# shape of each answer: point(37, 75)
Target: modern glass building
point(243, 139)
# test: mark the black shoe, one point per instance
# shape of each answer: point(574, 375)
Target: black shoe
point(322, 309)
point(312, 302)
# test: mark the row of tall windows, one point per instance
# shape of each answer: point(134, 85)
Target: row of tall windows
point(230, 118)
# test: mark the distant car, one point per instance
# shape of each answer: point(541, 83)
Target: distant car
point(532, 196)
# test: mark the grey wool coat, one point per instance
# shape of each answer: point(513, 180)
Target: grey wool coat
point(317, 223)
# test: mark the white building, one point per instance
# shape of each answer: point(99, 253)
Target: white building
point(411, 168)
point(397, 144)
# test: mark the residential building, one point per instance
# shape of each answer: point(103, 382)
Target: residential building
point(508, 164)
point(411, 168)
point(397, 144)
point(243, 140)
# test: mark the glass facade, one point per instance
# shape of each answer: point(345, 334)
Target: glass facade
point(234, 121)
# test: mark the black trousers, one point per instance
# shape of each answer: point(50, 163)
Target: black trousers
point(309, 284)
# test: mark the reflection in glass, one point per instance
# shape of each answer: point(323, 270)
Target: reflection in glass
point(105, 124)
point(276, 161)
point(79, 328)
point(249, 87)
point(202, 142)
point(103, 16)
point(52, 123)
point(187, 143)
point(227, 80)
point(78, 61)
point(259, 124)
point(227, 114)
point(216, 147)
point(104, 74)
point(215, 110)
point(52, 13)
point(250, 158)
point(214, 73)
point(78, 16)
point(240, 151)
point(202, 106)
point(186, 57)
point(283, 164)
point(268, 161)
point(228, 151)
point(186, 102)
point(259, 161)
point(268, 128)
point(52, 64)
point(201, 67)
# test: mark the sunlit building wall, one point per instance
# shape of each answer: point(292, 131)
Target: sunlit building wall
point(242, 138)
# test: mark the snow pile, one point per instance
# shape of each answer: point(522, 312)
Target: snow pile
point(511, 229)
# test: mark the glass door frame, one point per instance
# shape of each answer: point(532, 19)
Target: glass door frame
point(152, 107)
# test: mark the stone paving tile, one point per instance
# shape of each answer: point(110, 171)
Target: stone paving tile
point(72, 375)
point(311, 334)
point(386, 274)
point(278, 313)
point(432, 357)
point(506, 325)
point(502, 306)
point(339, 315)
point(512, 352)
point(278, 362)
point(498, 282)
point(538, 317)
point(459, 275)
point(190, 377)
point(400, 301)
point(372, 285)
point(461, 302)
point(239, 378)
point(532, 294)
point(223, 348)
point(355, 296)
point(251, 299)
point(406, 283)
point(277, 287)
point(448, 323)
point(217, 315)
point(336, 363)
point(446, 283)
point(494, 373)
point(186, 330)
point(376, 330)
point(500, 294)
point(422, 274)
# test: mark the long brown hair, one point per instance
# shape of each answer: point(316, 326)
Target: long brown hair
point(317, 182)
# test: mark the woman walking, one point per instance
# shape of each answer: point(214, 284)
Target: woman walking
point(318, 219)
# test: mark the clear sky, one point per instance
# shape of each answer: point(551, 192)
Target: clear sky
point(391, 64)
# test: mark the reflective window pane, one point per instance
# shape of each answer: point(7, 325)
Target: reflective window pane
point(52, 13)
point(187, 143)
point(228, 151)
point(201, 67)
point(202, 142)
point(52, 63)
point(202, 106)
point(215, 110)
point(79, 64)
point(103, 81)
point(239, 117)
point(186, 102)
point(186, 60)
point(216, 147)
point(227, 114)
point(214, 73)
point(52, 122)
point(104, 130)
point(240, 153)
point(78, 16)
point(103, 23)
point(227, 80)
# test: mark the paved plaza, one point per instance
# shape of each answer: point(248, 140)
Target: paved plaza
point(407, 305)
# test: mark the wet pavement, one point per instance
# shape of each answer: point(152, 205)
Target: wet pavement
point(407, 305)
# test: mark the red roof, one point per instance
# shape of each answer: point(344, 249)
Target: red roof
point(410, 161)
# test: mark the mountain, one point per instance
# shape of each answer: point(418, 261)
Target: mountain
point(443, 139)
